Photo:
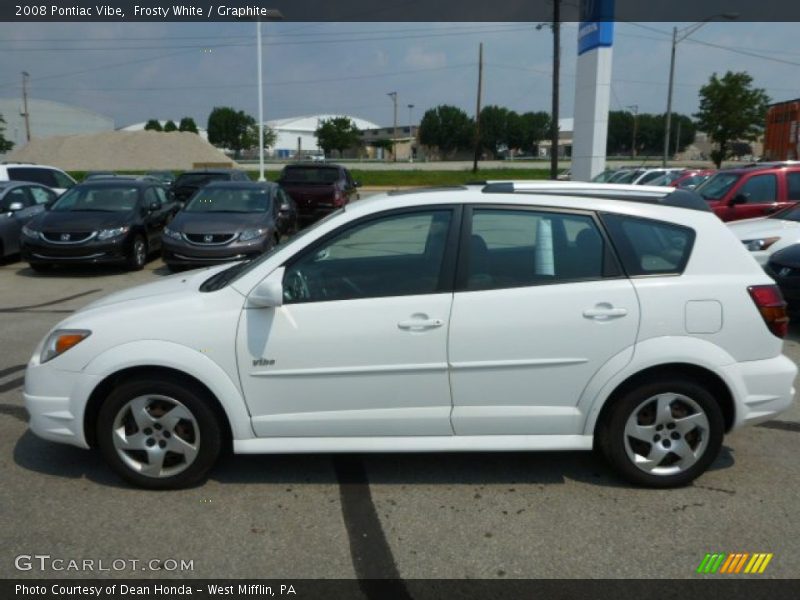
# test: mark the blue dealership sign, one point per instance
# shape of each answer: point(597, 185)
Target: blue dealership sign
point(597, 25)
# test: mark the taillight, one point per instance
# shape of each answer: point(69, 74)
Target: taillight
point(771, 305)
point(338, 198)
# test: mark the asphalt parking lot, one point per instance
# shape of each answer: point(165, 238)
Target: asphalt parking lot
point(545, 515)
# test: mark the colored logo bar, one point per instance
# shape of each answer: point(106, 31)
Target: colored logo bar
point(734, 563)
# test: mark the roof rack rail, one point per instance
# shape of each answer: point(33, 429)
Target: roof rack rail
point(427, 189)
point(677, 198)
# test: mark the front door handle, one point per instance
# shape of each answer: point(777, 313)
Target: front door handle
point(420, 323)
point(604, 312)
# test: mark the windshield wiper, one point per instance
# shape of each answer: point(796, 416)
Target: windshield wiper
point(223, 278)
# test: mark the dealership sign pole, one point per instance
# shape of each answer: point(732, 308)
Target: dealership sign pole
point(592, 88)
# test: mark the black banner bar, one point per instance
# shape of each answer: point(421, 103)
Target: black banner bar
point(378, 11)
point(731, 588)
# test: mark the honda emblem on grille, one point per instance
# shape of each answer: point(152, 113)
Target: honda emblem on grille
point(208, 238)
point(784, 271)
point(64, 237)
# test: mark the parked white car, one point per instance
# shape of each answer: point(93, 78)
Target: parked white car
point(458, 320)
point(766, 235)
point(52, 177)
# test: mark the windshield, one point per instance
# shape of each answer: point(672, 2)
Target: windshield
point(717, 186)
point(792, 213)
point(603, 177)
point(628, 176)
point(232, 200)
point(199, 179)
point(108, 198)
point(223, 278)
point(310, 175)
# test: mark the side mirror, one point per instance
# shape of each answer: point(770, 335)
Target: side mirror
point(154, 206)
point(268, 293)
point(740, 199)
point(284, 209)
point(15, 206)
point(357, 184)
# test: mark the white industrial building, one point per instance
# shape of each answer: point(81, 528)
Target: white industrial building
point(49, 118)
point(296, 134)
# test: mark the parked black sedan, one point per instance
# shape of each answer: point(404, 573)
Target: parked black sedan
point(20, 201)
point(189, 182)
point(111, 221)
point(784, 268)
point(226, 221)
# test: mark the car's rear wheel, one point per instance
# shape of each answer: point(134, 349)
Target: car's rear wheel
point(664, 433)
point(138, 255)
point(158, 434)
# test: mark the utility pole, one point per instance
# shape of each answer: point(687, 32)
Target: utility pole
point(556, 27)
point(478, 111)
point(25, 114)
point(410, 133)
point(635, 110)
point(393, 96)
point(678, 138)
point(260, 107)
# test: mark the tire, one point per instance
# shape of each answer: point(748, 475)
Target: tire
point(137, 258)
point(40, 267)
point(179, 454)
point(663, 434)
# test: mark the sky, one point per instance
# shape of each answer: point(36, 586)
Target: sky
point(132, 72)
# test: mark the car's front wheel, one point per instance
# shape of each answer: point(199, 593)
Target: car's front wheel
point(138, 255)
point(664, 433)
point(159, 434)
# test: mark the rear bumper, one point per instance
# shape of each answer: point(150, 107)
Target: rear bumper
point(762, 388)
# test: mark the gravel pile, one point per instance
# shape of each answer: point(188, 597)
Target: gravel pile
point(123, 151)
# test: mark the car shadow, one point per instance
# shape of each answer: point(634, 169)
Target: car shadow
point(471, 468)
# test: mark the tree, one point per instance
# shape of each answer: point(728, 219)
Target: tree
point(153, 125)
point(494, 128)
point(731, 110)
point(447, 128)
point(337, 133)
point(525, 131)
point(270, 136)
point(187, 124)
point(5, 145)
point(170, 126)
point(232, 129)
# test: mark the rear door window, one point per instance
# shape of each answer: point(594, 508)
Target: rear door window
point(793, 186)
point(649, 247)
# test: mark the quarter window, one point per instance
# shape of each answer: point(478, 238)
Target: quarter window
point(42, 195)
point(648, 247)
point(514, 248)
point(793, 185)
point(394, 255)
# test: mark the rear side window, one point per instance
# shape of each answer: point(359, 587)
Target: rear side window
point(648, 247)
point(793, 185)
point(35, 175)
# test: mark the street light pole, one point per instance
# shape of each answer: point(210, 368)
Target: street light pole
point(393, 96)
point(684, 33)
point(260, 108)
point(635, 110)
point(25, 76)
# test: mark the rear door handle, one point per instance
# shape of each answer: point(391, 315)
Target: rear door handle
point(419, 324)
point(603, 312)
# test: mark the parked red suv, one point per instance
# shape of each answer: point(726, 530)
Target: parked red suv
point(753, 191)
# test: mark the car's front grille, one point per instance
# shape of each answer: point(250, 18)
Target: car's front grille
point(216, 239)
point(67, 237)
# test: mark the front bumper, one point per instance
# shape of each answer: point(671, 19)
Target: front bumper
point(56, 402)
point(185, 254)
point(113, 251)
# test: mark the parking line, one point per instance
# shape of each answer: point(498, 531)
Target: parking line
point(10, 370)
point(50, 303)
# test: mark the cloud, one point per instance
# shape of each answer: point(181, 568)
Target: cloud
point(419, 58)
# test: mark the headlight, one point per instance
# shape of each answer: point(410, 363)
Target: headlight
point(28, 232)
point(759, 244)
point(251, 234)
point(171, 233)
point(107, 234)
point(60, 341)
